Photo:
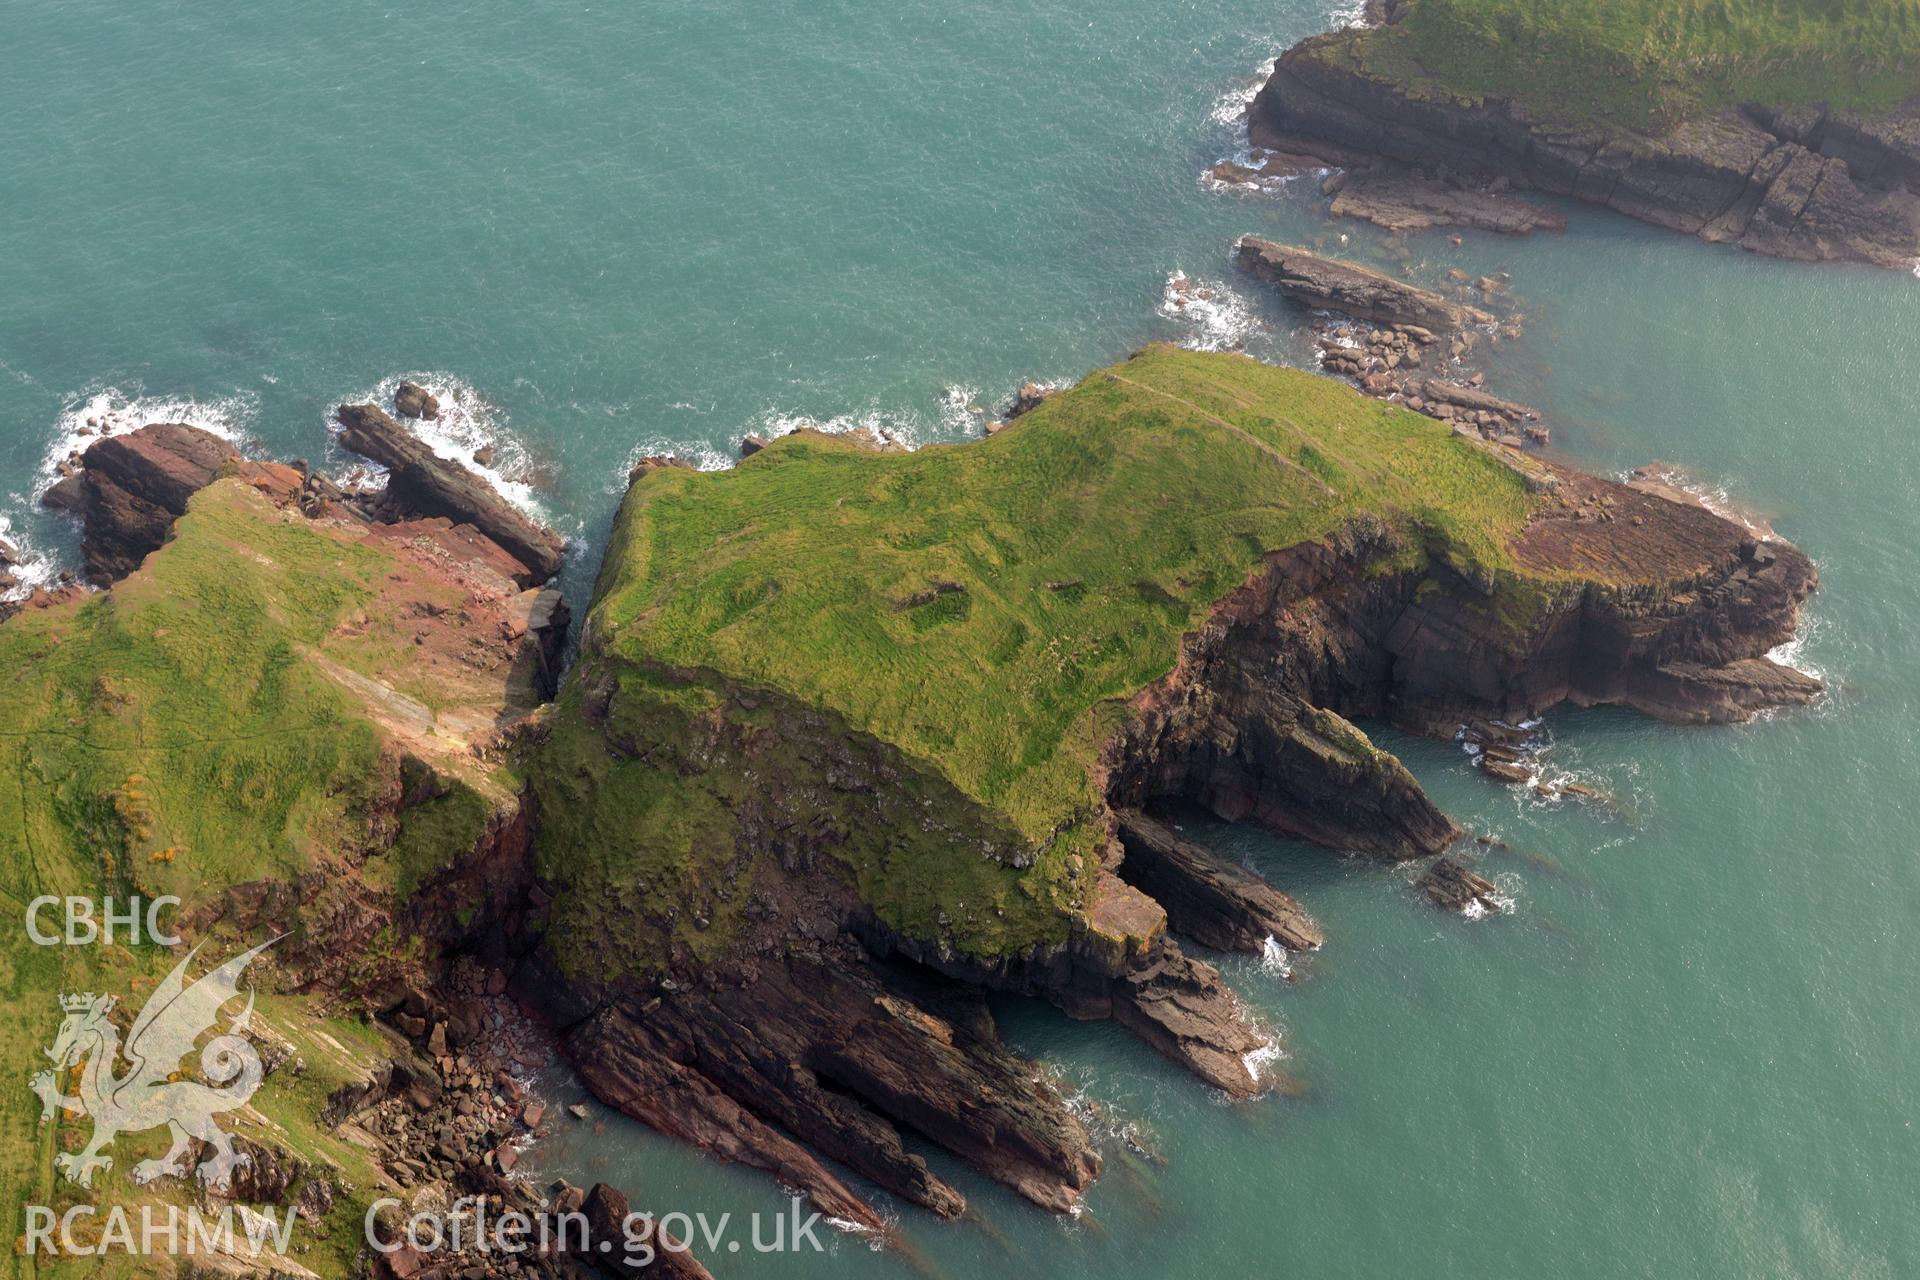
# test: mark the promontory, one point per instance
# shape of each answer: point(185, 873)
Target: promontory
point(854, 737)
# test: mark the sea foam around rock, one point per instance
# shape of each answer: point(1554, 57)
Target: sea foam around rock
point(107, 411)
point(1216, 318)
point(468, 423)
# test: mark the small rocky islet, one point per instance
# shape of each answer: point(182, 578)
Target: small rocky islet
point(1800, 140)
point(755, 894)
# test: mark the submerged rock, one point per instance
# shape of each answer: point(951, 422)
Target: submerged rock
point(1451, 887)
point(1405, 202)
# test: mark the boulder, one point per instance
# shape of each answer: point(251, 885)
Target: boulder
point(414, 401)
point(1030, 397)
point(1473, 398)
point(68, 494)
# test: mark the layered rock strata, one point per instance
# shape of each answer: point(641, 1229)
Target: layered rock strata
point(1806, 184)
point(420, 483)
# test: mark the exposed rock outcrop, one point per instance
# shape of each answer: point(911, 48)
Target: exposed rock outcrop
point(620, 1247)
point(1809, 185)
point(9, 563)
point(1671, 610)
point(421, 483)
point(1215, 902)
point(823, 1048)
point(411, 400)
point(788, 1011)
point(1030, 397)
point(1392, 362)
point(1351, 289)
point(133, 487)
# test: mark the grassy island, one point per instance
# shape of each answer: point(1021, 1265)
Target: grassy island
point(1647, 64)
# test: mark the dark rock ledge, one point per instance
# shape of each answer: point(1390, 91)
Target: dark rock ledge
point(1418, 334)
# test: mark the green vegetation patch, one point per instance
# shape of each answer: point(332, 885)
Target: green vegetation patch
point(1648, 64)
point(184, 732)
point(983, 610)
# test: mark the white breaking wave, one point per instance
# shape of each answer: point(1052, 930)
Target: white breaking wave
point(1229, 112)
point(93, 415)
point(1217, 318)
point(901, 428)
point(1274, 958)
point(1791, 653)
point(468, 423)
point(701, 457)
point(1716, 499)
point(957, 409)
point(1348, 15)
point(960, 411)
point(1504, 898)
point(1230, 108)
point(33, 569)
point(1260, 1061)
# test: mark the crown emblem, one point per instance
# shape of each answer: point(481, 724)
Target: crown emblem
point(79, 1002)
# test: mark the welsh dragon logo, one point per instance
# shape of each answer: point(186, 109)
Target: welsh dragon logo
point(150, 1093)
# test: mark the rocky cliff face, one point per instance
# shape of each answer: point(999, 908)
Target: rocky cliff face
point(1806, 185)
point(1661, 605)
point(130, 489)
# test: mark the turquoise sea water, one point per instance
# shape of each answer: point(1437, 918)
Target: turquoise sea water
point(617, 228)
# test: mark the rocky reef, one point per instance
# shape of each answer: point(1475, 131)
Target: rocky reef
point(1801, 182)
point(1416, 334)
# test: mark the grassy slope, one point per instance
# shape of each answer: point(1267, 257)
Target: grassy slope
point(182, 711)
point(1085, 541)
point(1645, 64)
